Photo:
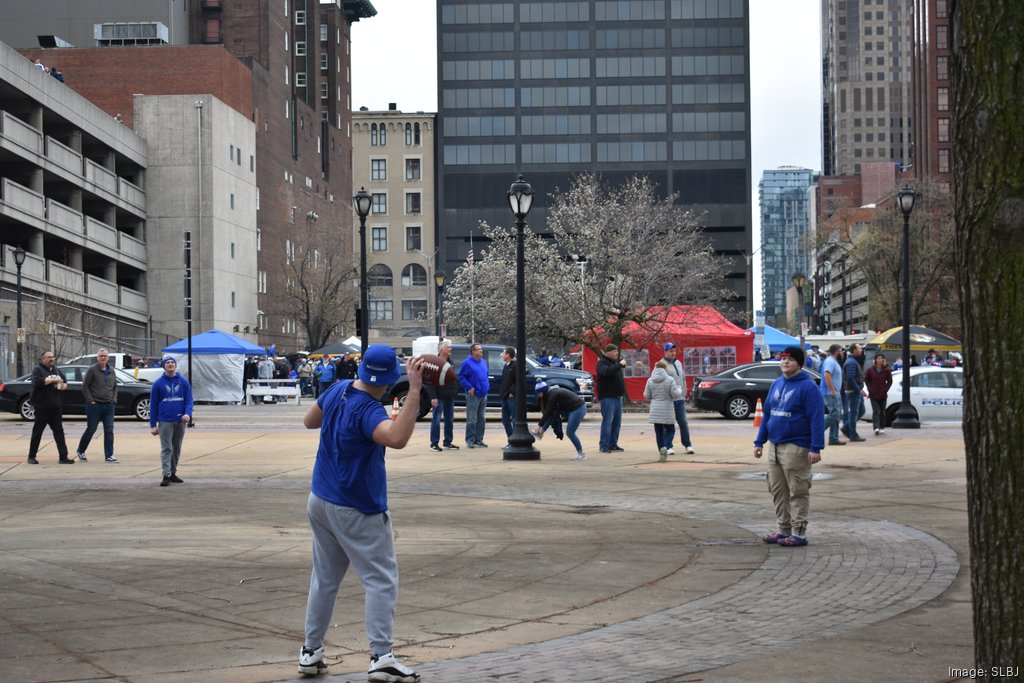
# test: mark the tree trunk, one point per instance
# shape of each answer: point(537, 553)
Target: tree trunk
point(988, 72)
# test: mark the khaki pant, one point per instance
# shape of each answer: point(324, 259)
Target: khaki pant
point(789, 481)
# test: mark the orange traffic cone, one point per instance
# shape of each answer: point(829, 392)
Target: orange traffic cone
point(757, 414)
point(394, 409)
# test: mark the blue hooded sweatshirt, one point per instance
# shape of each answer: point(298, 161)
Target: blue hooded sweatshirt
point(169, 399)
point(794, 412)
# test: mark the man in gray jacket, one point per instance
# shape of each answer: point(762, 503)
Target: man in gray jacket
point(675, 371)
point(99, 389)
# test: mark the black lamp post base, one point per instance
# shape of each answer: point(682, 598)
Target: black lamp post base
point(520, 445)
point(906, 417)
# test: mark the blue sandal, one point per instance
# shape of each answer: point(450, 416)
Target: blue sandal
point(775, 537)
point(792, 541)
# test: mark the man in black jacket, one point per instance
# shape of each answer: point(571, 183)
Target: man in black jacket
point(48, 387)
point(508, 392)
point(611, 387)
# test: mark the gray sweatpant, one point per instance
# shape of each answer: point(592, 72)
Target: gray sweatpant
point(171, 436)
point(343, 535)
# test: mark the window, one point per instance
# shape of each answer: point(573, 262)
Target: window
point(416, 134)
point(941, 37)
point(943, 130)
point(942, 68)
point(374, 138)
point(383, 135)
point(412, 169)
point(412, 203)
point(944, 161)
point(300, 48)
point(941, 9)
point(261, 282)
point(324, 94)
point(379, 275)
point(380, 202)
point(259, 239)
point(378, 169)
point(942, 102)
point(408, 134)
point(323, 33)
point(300, 17)
point(414, 310)
point(232, 250)
point(414, 275)
point(232, 299)
point(413, 238)
point(382, 310)
point(323, 61)
point(380, 239)
point(232, 200)
point(300, 79)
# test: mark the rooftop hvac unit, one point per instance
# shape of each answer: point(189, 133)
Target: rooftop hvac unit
point(131, 33)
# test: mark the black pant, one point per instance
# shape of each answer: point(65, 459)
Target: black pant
point(52, 416)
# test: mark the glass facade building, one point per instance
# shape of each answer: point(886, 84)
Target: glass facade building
point(787, 241)
point(554, 89)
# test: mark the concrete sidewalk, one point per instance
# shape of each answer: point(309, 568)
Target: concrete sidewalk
point(615, 568)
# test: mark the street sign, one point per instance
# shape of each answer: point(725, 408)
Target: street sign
point(444, 331)
point(22, 335)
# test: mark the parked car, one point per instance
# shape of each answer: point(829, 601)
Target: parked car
point(937, 395)
point(132, 394)
point(734, 392)
point(577, 380)
point(136, 367)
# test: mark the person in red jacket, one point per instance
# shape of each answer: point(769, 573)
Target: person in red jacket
point(878, 379)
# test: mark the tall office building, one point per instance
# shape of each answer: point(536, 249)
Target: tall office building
point(554, 89)
point(866, 84)
point(296, 92)
point(933, 106)
point(787, 241)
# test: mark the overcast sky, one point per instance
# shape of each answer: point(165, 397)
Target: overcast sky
point(394, 59)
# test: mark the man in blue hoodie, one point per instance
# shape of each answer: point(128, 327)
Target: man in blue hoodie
point(794, 429)
point(170, 411)
point(474, 378)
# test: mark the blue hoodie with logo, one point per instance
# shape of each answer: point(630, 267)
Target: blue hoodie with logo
point(794, 412)
point(169, 399)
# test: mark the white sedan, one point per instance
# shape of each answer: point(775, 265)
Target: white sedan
point(937, 395)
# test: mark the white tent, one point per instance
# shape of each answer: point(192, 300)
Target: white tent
point(218, 363)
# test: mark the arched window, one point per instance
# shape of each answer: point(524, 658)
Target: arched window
point(408, 134)
point(414, 275)
point(383, 135)
point(416, 135)
point(373, 135)
point(379, 275)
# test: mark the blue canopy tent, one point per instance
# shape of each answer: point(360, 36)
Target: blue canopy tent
point(777, 340)
point(218, 364)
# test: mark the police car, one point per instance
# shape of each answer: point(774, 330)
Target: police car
point(937, 395)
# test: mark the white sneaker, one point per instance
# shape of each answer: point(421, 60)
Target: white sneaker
point(579, 456)
point(388, 669)
point(311, 662)
point(881, 432)
point(669, 451)
point(662, 454)
point(689, 450)
point(877, 431)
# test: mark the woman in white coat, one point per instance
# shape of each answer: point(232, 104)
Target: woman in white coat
point(662, 390)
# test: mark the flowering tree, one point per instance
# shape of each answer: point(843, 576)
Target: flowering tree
point(614, 259)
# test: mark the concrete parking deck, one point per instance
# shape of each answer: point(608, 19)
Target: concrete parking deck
point(615, 568)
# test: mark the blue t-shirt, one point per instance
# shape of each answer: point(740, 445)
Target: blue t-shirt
point(349, 469)
point(831, 366)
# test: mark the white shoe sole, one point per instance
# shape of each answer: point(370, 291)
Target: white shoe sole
point(313, 669)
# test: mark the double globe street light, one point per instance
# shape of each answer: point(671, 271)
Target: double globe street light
point(520, 199)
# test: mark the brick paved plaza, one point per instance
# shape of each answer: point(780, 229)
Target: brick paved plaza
point(618, 566)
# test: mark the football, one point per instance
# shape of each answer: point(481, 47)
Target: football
point(437, 371)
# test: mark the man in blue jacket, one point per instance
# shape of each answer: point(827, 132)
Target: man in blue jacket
point(170, 411)
point(853, 388)
point(475, 381)
point(793, 428)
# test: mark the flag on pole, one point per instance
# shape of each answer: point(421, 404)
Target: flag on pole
point(469, 257)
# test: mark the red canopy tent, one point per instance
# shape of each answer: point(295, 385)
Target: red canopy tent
point(707, 344)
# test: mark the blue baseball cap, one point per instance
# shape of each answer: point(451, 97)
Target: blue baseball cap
point(540, 387)
point(668, 346)
point(380, 366)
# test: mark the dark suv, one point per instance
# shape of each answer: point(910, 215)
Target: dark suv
point(579, 381)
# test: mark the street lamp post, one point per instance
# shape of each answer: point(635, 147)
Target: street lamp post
point(520, 199)
point(906, 416)
point(19, 260)
point(363, 201)
point(583, 284)
point(439, 281)
point(799, 280)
